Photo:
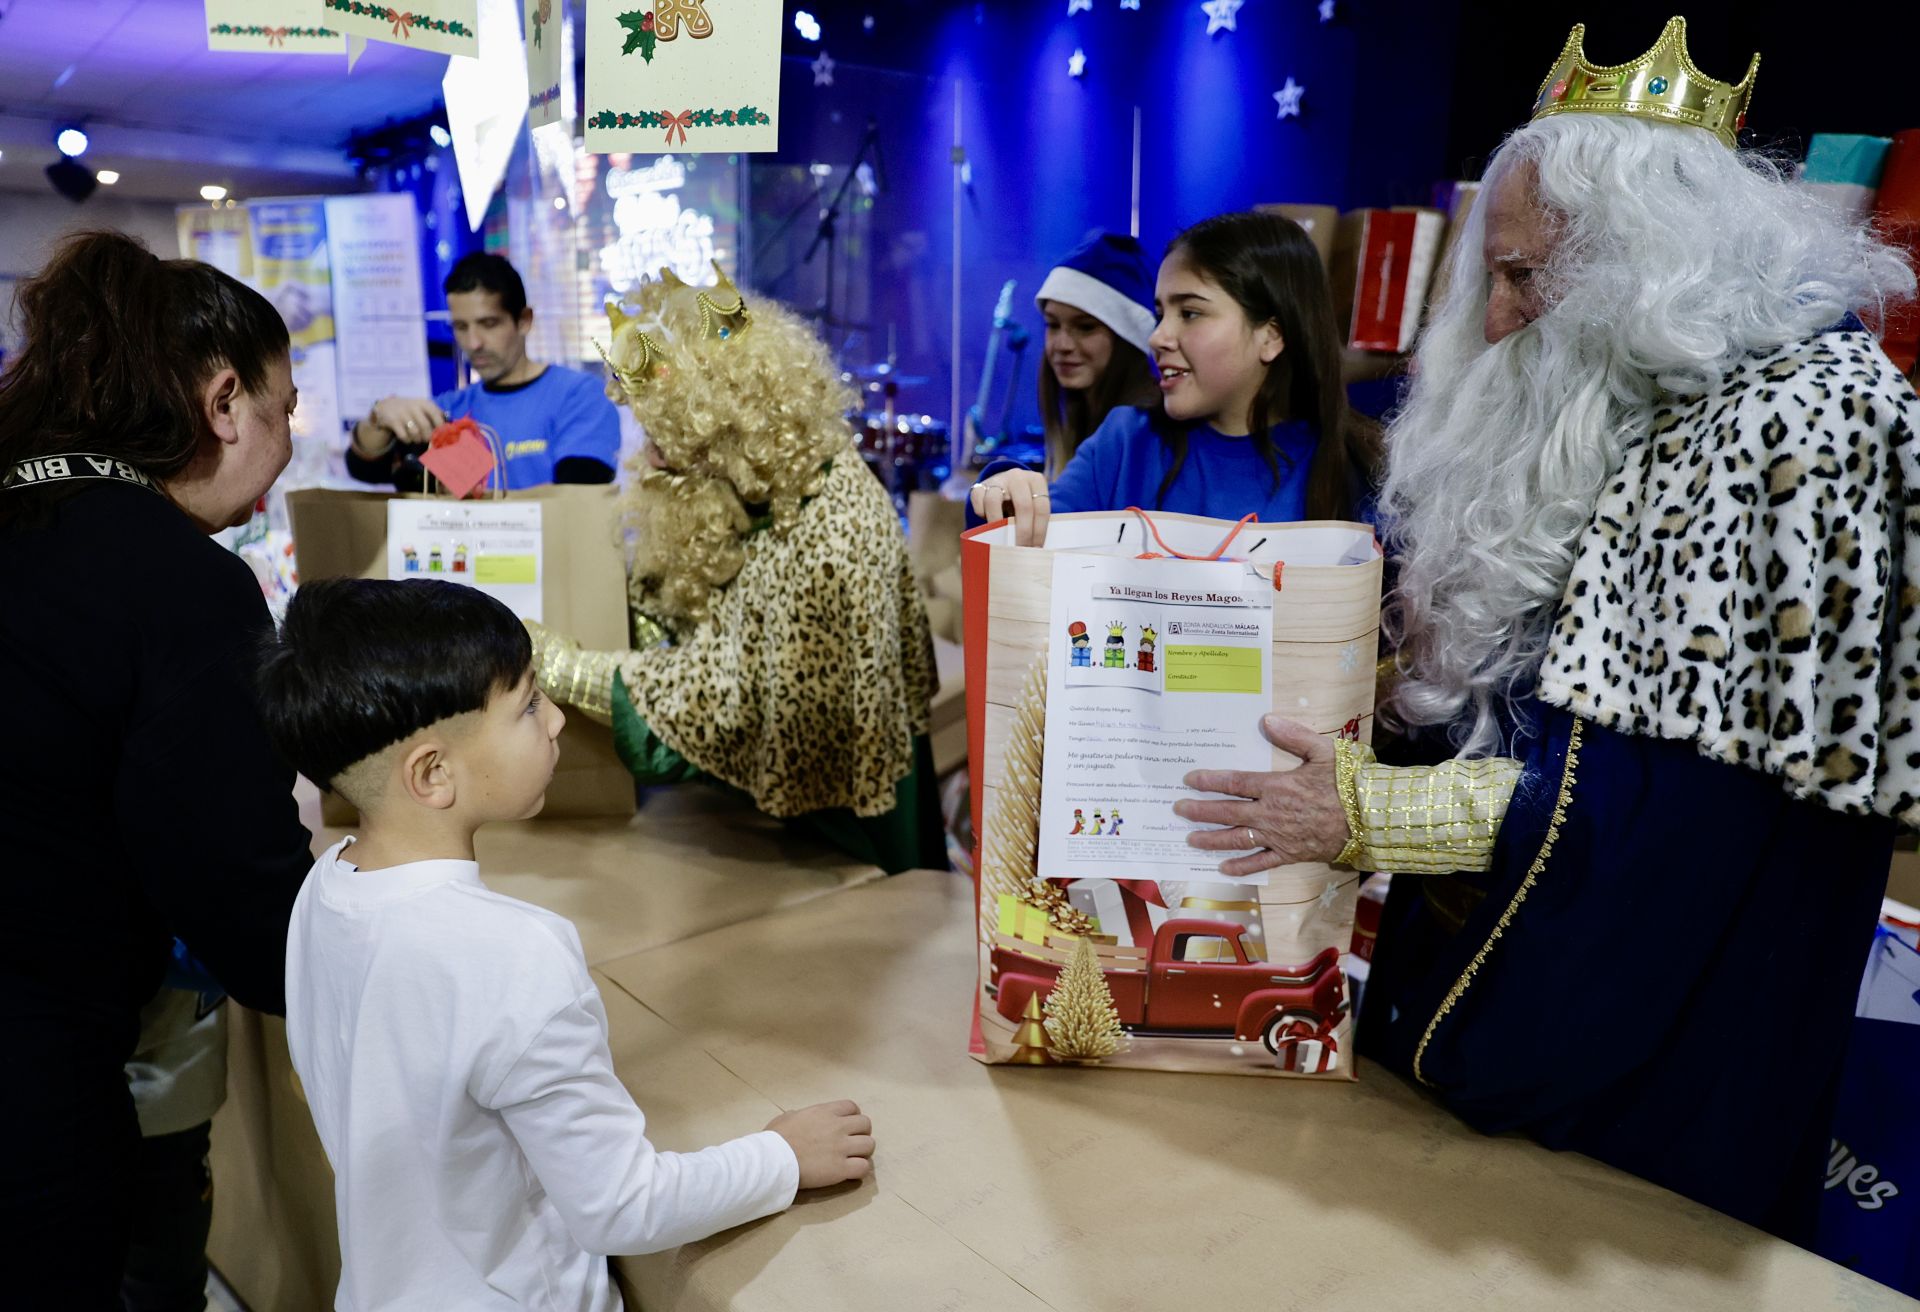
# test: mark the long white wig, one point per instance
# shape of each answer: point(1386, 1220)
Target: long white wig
point(1672, 258)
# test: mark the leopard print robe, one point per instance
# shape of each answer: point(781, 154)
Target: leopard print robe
point(810, 680)
point(1750, 581)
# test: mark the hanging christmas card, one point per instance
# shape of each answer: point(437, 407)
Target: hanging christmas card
point(687, 76)
point(544, 65)
point(445, 27)
point(280, 27)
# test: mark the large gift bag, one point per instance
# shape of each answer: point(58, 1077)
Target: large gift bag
point(1150, 630)
point(582, 592)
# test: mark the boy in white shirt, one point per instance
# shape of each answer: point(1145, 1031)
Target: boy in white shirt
point(450, 1041)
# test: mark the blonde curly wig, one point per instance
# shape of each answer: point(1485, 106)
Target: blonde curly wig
point(746, 426)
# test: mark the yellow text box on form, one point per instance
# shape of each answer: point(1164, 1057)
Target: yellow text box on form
point(512, 569)
point(1200, 668)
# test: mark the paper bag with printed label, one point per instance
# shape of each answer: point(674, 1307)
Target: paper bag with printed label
point(551, 553)
point(1102, 668)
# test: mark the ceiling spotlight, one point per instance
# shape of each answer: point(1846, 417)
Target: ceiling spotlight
point(806, 25)
point(107, 177)
point(441, 137)
point(71, 142)
point(213, 191)
point(559, 202)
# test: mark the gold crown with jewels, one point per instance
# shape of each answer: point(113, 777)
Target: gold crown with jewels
point(1662, 84)
point(643, 356)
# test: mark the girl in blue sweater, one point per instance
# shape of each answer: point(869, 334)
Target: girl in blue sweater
point(1253, 418)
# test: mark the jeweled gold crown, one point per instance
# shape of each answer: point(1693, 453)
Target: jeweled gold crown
point(638, 357)
point(1662, 84)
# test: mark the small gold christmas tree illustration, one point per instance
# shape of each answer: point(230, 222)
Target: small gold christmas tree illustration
point(1013, 830)
point(1030, 1039)
point(1082, 1021)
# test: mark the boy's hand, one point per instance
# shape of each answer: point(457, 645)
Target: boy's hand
point(833, 1141)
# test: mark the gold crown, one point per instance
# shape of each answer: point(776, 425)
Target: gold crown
point(716, 320)
point(1661, 84)
point(649, 359)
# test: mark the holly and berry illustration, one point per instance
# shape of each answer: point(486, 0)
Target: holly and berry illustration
point(663, 22)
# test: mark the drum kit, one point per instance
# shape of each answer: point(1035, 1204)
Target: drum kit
point(907, 451)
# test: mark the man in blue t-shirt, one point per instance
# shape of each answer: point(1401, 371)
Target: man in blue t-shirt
point(555, 424)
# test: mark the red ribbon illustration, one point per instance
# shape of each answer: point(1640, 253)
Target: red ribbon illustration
point(402, 23)
point(677, 123)
point(276, 36)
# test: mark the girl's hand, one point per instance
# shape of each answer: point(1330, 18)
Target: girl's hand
point(1019, 493)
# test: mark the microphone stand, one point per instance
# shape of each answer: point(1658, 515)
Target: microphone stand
point(827, 234)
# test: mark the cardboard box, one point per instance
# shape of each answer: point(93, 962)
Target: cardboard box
point(343, 534)
point(1322, 223)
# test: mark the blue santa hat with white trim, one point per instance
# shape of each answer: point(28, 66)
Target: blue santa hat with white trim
point(1106, 275)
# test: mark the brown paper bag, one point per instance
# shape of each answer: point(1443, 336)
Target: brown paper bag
point(342, 534)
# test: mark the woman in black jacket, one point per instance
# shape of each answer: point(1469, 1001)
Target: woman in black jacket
point(139, 800)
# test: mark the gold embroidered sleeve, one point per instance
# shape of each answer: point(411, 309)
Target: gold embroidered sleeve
point(572, 677)
point(1428, 819)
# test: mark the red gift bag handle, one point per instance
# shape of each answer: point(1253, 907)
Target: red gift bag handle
point(1217, 552)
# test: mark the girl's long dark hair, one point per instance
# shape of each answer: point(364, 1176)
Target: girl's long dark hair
point(1070, 415)
point(118, 344)
point(1271, 269)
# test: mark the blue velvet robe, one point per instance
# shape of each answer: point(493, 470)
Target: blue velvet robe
point(1665, 975)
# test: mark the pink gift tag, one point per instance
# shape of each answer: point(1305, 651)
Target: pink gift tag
point(462, 464)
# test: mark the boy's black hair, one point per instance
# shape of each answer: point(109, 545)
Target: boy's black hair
point(360, 664)
point(482, 271)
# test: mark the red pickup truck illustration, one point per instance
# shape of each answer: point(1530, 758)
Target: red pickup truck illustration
point(1197, 980)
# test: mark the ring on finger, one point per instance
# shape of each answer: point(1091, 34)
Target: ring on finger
point(1253, 839)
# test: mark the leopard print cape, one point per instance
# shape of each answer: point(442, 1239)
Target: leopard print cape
point(809, 682)
point(1750, 581)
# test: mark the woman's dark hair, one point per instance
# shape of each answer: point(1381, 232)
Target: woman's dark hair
point(1271, 269)
point(360, 664)
point(482, 271)
point(1070, 415)
point(118, 345)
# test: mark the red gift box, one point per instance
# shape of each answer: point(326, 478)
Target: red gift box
point(1308, 1056)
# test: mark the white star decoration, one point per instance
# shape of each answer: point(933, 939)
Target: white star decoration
point(1288, 98)
point(1220, 14)
point(1129, 4)
point(1350, 658)
point(823, 70)
point(1326, 11)
point(1078, 7)
point(1077, 63)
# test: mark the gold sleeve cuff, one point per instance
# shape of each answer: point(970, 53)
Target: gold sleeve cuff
point(1428, 819)
point(572, 677)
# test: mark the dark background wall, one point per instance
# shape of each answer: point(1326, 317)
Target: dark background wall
point(1837, 67)
point(1399, 95)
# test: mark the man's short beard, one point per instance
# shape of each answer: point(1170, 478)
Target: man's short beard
point(690, 542)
